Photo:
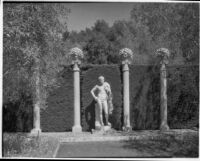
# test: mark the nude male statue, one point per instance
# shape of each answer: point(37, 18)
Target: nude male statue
point(104, 101)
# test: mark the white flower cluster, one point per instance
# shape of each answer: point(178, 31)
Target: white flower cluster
point(76, 53)
point(162, 52)
point(126, 53)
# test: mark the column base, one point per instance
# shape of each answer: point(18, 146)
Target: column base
point(106, 128)
point(127, 128)
point(164, 127)
point(97, 127)
point(76, 129)
point(36, 131)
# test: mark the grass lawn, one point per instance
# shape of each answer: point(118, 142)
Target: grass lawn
point(187, 147)
point(167, 145)
point(22, 145)
point(161, 148)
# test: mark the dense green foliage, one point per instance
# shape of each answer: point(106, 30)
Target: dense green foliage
point(32, 32)
point(171, 25)
point(183, 96)
point(18, 115)
point(144, 97)
point(151, 26)
point(59, 114)
point(182, 93)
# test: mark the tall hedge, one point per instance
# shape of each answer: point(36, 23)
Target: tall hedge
point(144, 97)
point(58, 116)
point(90, 74)
point(182, 93)
point(183, 96)
point(183, 99)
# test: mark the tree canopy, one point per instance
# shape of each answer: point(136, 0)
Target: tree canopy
point(35, 36)
point(32, 38)
point(151, 26)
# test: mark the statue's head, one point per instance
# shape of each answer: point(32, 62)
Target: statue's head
point(101, 79)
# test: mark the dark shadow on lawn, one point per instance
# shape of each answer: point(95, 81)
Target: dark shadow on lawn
point(166, 147)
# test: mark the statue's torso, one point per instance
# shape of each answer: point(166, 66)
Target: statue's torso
point(102, 95)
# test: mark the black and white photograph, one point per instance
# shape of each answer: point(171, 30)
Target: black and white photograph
point(99, 80)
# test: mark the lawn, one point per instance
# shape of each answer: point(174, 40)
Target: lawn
point(23, 145)
point(152, 148)
point(165, 145)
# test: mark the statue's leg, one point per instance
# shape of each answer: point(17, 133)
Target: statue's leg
point(97, 117)
point(105, 108)
point(99, 103)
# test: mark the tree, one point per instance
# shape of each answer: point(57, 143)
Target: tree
point(171, 25)
point(31, 34)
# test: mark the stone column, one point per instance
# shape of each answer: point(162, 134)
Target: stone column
point(36, 111)
point(1, 132)
point(163, 54)
point(76, 54)
point(126, 56)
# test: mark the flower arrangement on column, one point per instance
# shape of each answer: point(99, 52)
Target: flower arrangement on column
point(76, 55)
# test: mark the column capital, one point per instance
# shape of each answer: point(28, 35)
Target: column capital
point(76, 55)
point(163, 54)
point(75, 67)
point(125, 66)
point(126, 55)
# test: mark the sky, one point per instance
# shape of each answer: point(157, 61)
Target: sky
point(85, 14)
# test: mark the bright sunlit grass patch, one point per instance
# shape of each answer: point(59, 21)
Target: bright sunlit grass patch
point(22, 145)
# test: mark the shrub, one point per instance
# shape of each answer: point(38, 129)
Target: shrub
point(18, 115)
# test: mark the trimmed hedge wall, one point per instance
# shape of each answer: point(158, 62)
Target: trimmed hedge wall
point(183, 96)
point(90, 74)
point(182, 93)
point(183, 100)
point(58, 116)
point(144, 97)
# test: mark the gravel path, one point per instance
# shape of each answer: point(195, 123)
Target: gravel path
point(105, 150)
